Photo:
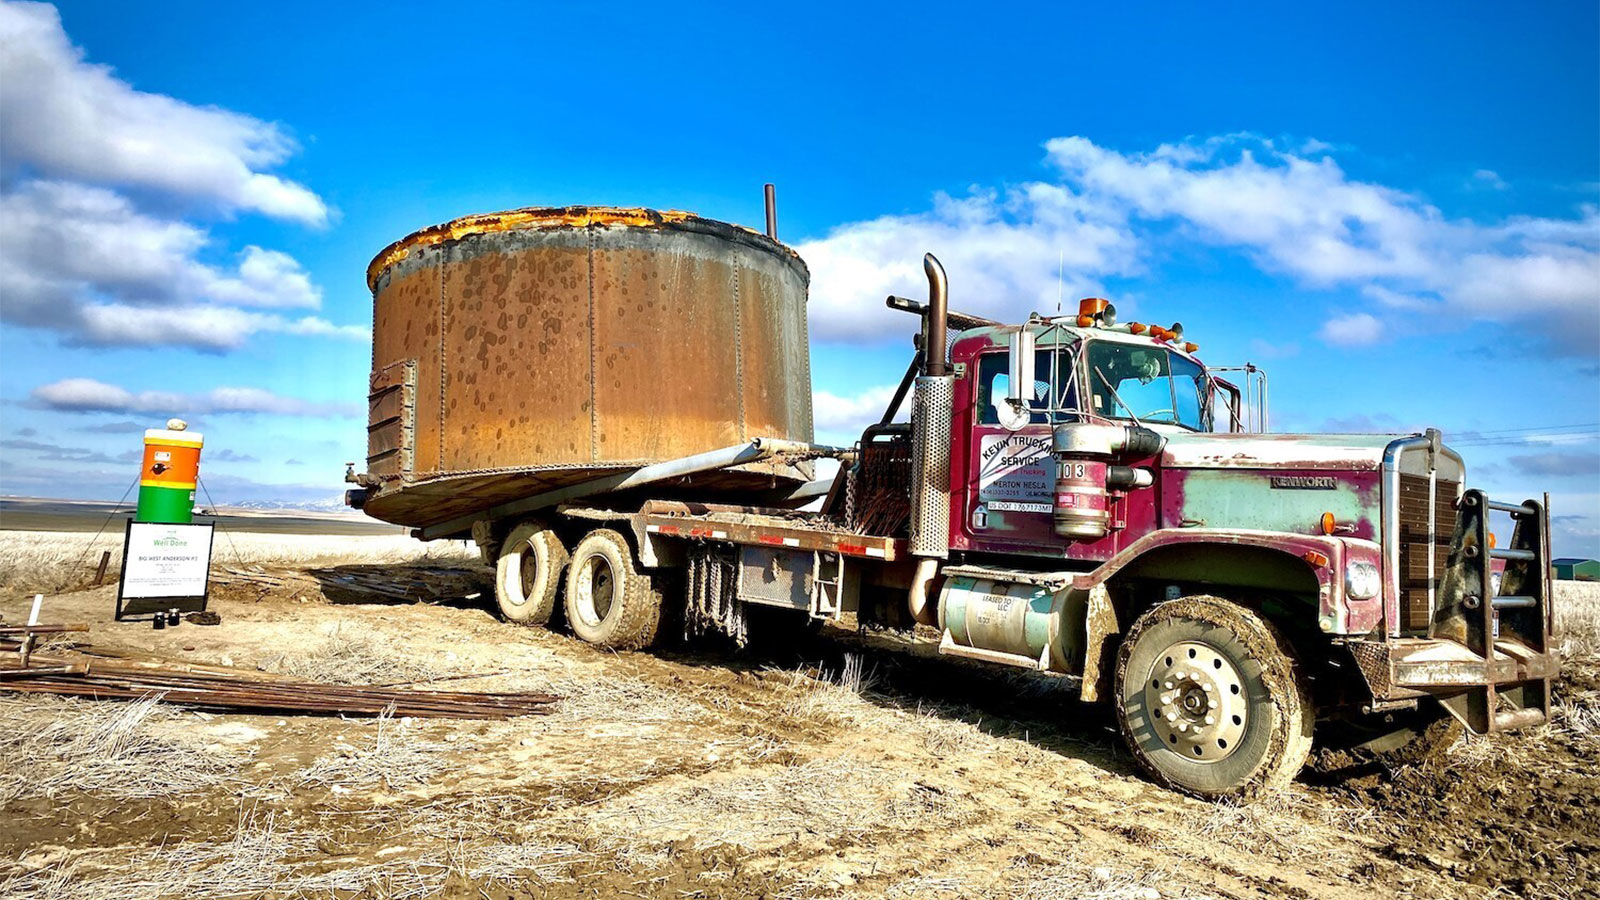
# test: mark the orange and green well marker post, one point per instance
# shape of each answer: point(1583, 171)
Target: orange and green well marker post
point(167, 481)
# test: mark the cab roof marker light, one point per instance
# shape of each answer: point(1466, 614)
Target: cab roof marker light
point(1136, 328)
point(1096, 311)
point(1190, 348)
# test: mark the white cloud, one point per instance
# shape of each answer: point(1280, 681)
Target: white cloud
point(82, 261)
point(65, 117)
point(1303, 218)
point(1488, 179)
point(88, 395)
point(834, 413)
point(1353, 330)
point(1002, 253)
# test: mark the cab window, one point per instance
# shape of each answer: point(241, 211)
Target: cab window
point(1188, 393)
point(1150, 384)
point(1052, 368)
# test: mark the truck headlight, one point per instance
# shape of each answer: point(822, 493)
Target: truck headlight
point(1361, 581)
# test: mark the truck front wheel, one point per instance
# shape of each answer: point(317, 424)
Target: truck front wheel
point(609, 601)
point(1209, 701)
point(528, 574)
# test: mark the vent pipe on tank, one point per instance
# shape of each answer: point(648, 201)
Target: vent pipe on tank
point(771, 192)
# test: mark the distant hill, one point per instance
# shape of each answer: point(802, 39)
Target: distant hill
point(334, 504)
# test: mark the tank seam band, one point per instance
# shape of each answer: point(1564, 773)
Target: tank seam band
point(594, 414)
point(738, 347)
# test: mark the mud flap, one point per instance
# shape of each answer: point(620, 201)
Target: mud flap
point(1100, 648)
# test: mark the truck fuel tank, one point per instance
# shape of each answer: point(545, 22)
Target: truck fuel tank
point(995, 618)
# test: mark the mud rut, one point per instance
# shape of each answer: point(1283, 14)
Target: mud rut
point(737, 775)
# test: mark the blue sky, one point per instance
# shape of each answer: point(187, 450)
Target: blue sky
point(1393, 209)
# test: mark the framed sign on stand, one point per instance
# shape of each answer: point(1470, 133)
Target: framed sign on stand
point(164, 566)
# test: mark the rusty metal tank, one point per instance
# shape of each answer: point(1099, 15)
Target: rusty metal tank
point(521, 351)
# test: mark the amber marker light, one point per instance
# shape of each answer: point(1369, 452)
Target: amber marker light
point(1316, 559)
point(1491, 540)
point(1136, 328)
point(1328, 523)
point(1085, 321)
point(1190, 348)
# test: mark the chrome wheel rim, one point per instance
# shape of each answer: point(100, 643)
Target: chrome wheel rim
point(1197, 702)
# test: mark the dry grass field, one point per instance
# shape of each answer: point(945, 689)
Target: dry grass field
point(845, 770)
point(54, 561)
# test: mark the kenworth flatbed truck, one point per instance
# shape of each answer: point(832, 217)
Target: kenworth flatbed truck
point(1081, 496)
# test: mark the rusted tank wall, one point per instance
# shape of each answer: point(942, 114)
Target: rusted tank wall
point(556, 344)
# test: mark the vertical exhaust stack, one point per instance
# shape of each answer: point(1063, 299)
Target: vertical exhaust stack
point(932, 405)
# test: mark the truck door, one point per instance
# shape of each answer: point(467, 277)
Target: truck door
point(1007, 484)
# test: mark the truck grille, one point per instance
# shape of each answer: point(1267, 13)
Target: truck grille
point(1413, 541)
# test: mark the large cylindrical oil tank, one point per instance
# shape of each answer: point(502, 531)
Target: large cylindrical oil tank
point(521, 351)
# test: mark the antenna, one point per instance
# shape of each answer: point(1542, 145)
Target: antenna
point(1061, 277)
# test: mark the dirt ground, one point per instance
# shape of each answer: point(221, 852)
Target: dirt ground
point(848, 768)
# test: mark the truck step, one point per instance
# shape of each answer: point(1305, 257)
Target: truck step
point(949, 647)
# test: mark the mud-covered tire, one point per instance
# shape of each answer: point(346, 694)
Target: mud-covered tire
point(1182, 656)
point(609, 602)
point(529, 573)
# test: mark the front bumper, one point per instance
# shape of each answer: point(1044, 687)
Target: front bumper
point(1509, 688)
point(1488, 657)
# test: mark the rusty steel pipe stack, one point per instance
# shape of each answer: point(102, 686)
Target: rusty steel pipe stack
point(100, 675)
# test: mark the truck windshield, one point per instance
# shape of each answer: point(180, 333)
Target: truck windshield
point(1150, 384)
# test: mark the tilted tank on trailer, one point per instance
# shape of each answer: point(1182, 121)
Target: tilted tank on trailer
point(615, 404)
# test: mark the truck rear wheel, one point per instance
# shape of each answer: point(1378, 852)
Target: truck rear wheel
point(1209, 701)
point(528, 574)
point(609, 601)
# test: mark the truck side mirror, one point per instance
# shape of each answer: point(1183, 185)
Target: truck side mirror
point(1015, 410)
point(1020, 389)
